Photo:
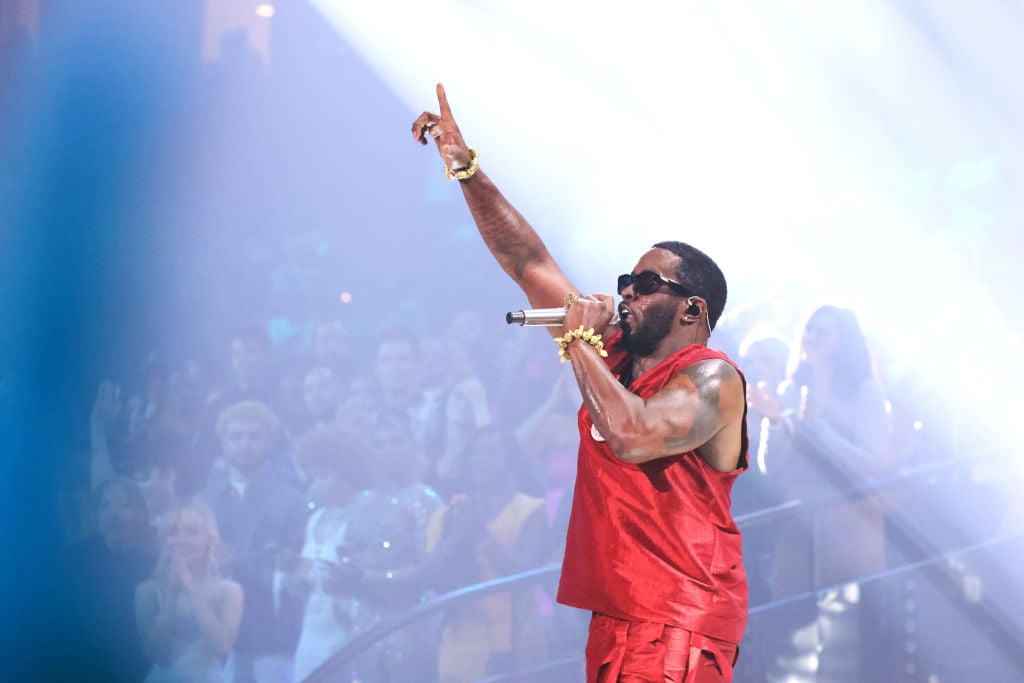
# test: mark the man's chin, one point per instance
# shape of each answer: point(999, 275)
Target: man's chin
point(629, 342)
point(636, 345)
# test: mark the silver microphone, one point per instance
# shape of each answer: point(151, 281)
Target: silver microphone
point(546, 317)
point(543, 317)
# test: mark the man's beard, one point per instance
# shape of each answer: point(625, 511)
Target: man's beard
point(643, 340)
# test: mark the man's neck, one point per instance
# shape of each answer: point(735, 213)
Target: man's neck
point(669, 346)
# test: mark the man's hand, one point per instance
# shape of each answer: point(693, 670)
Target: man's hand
point(596, 311)
point(445, 132)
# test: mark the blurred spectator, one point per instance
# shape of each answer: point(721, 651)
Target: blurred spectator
point(188, 615)
point(398, 468)
point(123, 426)
point(519, 374)
point(310, 397)
point(260, 515)
point(504, 531)
point(106, 566)
point(360, 562)
point(105, 410)
point(463, 399)
point(166, 476)
point(835, 435)
point(332, 348)
point(397, 370)
point(549, 441)
point(160, 460)
point(322, 394)
point(398, 385)
point(764, 356)
point(395, 583)
point(322, 577)
point(836, 428)
point(359, 405)
point(250, 374)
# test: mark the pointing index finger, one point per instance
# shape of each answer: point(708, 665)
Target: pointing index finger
point(442, 101)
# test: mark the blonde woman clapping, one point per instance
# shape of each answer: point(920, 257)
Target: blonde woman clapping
point(188, 615)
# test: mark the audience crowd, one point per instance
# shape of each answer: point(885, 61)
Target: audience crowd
point(259, 515)
point(249, 520)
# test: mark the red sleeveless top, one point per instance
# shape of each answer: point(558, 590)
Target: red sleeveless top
point(656, 541)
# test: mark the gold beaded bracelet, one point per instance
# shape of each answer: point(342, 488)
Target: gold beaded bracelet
point(463, 173)
point(579, 333)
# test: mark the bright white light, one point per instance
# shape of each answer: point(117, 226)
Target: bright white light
point(265, 10)
point(806, 146)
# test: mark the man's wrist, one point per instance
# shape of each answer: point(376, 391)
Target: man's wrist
point(463, 170)
point(580, 334)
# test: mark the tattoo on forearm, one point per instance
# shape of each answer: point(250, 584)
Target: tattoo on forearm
point(507, 240)
point(508, 235)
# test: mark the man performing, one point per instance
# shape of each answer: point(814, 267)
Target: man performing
point(652, 550)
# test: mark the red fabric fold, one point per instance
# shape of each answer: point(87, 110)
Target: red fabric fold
point(620, 651)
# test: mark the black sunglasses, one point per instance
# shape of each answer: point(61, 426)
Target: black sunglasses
point(649, 282)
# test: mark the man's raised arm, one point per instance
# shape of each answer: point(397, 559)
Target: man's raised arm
point(514, 243)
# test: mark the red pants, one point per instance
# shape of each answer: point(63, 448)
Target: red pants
point(633, 652)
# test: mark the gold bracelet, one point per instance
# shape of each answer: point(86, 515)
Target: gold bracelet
point(579, 333)
point(463, 173)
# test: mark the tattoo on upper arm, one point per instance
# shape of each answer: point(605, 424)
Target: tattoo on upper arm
point(708, 410)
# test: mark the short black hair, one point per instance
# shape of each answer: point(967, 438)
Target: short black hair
point(700, 274)
point(328, 449)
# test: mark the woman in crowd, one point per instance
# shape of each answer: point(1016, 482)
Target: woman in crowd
point(834, 432)
point(187, 614)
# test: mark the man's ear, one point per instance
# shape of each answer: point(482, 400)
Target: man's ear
point(692, 312)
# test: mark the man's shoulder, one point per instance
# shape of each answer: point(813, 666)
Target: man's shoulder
point(694, 359)
point(696, 353)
